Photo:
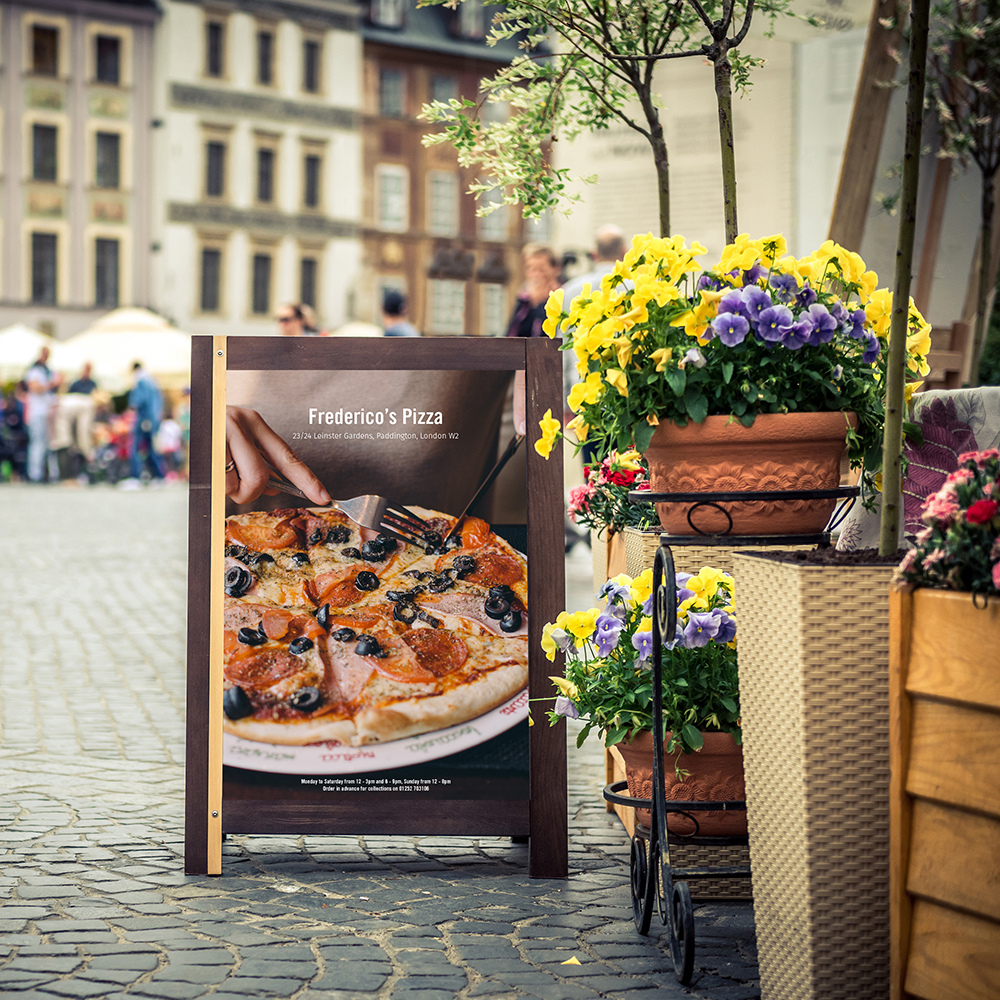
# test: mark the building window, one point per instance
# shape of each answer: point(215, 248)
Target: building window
point(539, 230)
point(393, 209)
point(447, 312)
point(387, 13)
point(108, 170)
point(493, 310)
point(493, 226)
point(260, 303)
point(311, 191)
point(108, 58)
point(215, 169)
point(45, 50)
point(391, 92)
point(211, 279)
point(265, 58)
point(471, 19)
point(106, 273)
point(265, 176)
point(307, 282)
point(311, 62)
point(215, 48)
point(493, 113)
point(442, 203)
point(443, 88)
point(43, 268)
point(44, 157)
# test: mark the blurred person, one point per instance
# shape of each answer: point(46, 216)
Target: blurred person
point(145, 403)
point(75, 417)
point(168, 444)
point(84, 385)
point(394, 319)
point(13, 434)
point(296, 320)
point(39, 405)
point(541, 278)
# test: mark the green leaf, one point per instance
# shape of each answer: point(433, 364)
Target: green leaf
point(728, 703)
point(692, 737)
point(676, 379)
point(696, 404)
point(727, 371)
point(642, 434)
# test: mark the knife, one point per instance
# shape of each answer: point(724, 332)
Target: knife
point(487, 482)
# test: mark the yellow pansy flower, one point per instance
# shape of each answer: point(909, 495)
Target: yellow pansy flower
point(588, 391)
point(910, 388)
point(642, 586)
point(617, 378)
point(629, 460)
point(582, 623)
point(553, 312)
point(579, 428)
point(661, 356)
point(566, 687)
point(550, 430)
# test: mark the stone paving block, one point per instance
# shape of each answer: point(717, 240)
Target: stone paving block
point(11, 979)
point(192, 973)
point(77, 988)
point(48, 963)
point(165, 990)
point(267, 987)
point(350, 980)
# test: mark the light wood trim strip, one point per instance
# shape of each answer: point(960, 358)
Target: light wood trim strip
point(218, 529)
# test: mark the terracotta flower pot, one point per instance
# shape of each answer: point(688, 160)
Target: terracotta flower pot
point(781, 451)
point(716, 773)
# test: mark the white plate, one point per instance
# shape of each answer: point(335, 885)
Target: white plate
point(335, 758)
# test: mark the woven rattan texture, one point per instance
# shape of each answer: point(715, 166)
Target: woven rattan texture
point(641, 546)
point(710, 856)
point(813, 647)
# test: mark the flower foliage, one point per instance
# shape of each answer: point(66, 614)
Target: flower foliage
point(602, 501)
point(960, 547)
point(762, 332)
point(607, 680)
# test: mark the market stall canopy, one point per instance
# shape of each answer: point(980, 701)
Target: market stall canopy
point(20, 346)
point(119, 339)
point(358, 328)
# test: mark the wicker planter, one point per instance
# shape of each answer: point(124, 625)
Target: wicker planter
point(945, 719)
point(607, 549)
point(814, 696)
point(781, 451)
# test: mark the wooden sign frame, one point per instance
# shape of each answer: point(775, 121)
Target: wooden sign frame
point(542, 817)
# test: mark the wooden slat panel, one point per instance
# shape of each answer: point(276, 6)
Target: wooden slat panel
point(948, 659)
point(955, 858)
point(955, 755)
point(954, 956)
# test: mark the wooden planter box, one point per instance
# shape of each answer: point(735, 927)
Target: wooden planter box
point(945, 796)
point(813, 657)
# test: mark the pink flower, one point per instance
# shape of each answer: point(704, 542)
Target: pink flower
point(908, 560)
point(979, 457)
point(939, 509)
point(934, 556)
point(960, 476)
point(982, 511)
point(579, 500)
point(996, 575)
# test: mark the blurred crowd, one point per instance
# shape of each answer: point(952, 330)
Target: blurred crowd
point(53, 429)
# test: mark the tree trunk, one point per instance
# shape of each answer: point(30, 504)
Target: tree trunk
point(724, 96)
point(983, 292)
point(662, 161)
point(892, 443)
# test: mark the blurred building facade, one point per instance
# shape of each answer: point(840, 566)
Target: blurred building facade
point(421, 234)
point(76, 84)
point(258, 171)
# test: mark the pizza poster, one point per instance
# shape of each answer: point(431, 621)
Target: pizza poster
point(358, 658)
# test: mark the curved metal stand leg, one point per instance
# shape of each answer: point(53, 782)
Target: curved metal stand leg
point(682, 933)
point(642, 902)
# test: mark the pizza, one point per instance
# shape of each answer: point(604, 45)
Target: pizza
point(333, 632)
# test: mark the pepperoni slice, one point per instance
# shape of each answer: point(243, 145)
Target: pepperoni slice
point(262, 669)
point(439, 652)
point(335, 587)
point(495, 568)
point(401, 664)
point(230, 642)
point(275, 622)
point(259, 537)
point(475, 533)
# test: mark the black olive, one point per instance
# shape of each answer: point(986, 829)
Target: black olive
point(432, 539)
point(237, 552)
point(323, 616)
point(388, 542)
point(343, 634)
point(338, 535)
point(237, 581)
point(430, 619)
point(439, 584)
point(372, 551)
point(496, 607)
point(305, 699)
point(511, 621)
point(366, 580)
point(464, 565)
point(503, 592)
point(395, 595)
point(300, 645)
point(251, 636)
point(415, 573)
point(300, 558)
point(256, 558)
point(351, 552)
point(367, 646)
point(405, 612)
point(235, 703)
point(315, 536)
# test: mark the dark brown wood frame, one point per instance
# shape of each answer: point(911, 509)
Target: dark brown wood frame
point(543, 816)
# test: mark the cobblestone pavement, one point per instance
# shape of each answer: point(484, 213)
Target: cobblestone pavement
point(93, 899)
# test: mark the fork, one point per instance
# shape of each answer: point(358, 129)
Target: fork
point(371, 511)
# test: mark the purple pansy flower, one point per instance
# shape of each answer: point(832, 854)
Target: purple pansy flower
point(701, 628)
point(755, 301)
point(774, 323)
point(609, 628)
point(799, 334)
point(727, 626)
point(785, 287)
point(857, 330)
point(837, 372)
point(564, 706)
point(806, 297)
point(732, 302)
point(755, 273)
point(643, 643)
point(824, 325)
point(840, 313)
point(731, 328)
point(614, 591)
point(872, 347)
point(708, 282)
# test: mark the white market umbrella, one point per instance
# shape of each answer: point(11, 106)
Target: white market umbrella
point(119, 339)
point(20, 346)
point(358, 328)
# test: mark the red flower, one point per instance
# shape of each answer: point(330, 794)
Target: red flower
point(982, 511)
